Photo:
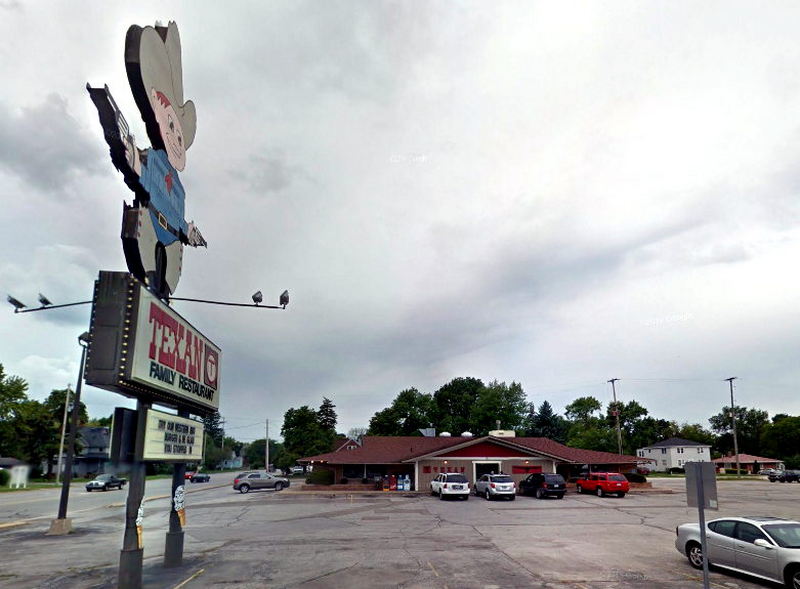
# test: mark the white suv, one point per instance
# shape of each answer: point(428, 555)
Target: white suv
point(450, 485)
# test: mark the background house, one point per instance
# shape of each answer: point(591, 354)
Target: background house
point(674, 453)
point(748, 462)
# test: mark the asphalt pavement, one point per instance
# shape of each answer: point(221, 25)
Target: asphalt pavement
point(291, 539)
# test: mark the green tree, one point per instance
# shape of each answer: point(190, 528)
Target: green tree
point(631, 416)
point(587, 430)
point(13, 390)
point(750, 425)
point(583, 409)
point(409, 412)
point(546, 423)
point(327, 415)
point(212, 424)
point(453, 404)
point(303, 435)
point(498, 401)
point(782, 439)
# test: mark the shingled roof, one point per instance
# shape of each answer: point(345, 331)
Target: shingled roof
point(671, 442)
point(398, 449)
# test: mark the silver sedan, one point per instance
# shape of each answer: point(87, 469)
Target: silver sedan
point(764, 547)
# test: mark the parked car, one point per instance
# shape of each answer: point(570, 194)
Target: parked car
point(200, 477)
point(764, 547)
point(543, 485)
point(768, 471)
point(104, 482)
point(495, 486)
point(785, 476)
point(258, 480)
point(188, 475)
point(296, 470)
point(450, 485)
point(603, 483)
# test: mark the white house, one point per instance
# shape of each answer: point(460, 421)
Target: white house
point(675, 453)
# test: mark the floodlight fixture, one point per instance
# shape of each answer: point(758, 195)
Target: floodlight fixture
point(284, 300)
point(44, 301)
point(83, 339)
point(18, 305)
point(257, 297)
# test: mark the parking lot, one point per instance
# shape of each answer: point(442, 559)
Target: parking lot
point(292, 539)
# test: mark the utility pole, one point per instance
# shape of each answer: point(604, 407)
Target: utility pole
point(222, 423)
point(266, 449)
point(735, 439)
point(616, 414)
point(63, 432)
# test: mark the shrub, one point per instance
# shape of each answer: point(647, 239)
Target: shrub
point(320, 477)
point(676, 470)
point(635, 477)
point(5, 476)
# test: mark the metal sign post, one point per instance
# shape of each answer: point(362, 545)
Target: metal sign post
point(173, 546)
point(132, 553)
point(701, 492)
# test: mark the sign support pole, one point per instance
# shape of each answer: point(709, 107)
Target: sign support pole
point(132, 553)
point(173, 547)
point(701, 513)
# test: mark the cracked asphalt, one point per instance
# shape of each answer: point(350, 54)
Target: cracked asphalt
point(289, 539)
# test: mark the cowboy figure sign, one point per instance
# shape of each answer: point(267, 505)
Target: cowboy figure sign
point(154, 229)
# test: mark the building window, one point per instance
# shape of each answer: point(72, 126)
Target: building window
point(641, 453)
point(664, 462)
point(426, 469)
point(680, 450)
point(699, 450)
point(680, 462)
point(663, 450)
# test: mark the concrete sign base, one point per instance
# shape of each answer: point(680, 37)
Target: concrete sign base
point(60, 527)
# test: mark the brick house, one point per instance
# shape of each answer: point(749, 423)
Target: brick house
point(748, 462)
point(422, 458)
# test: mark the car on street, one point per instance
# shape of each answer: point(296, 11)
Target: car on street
point(450, 484)
point(104, 482)
point(603, 483)
point(200, 477)
point(543, 484)
point(495, 486)
point(785, 476)
point(764, 547)
point(246, 481)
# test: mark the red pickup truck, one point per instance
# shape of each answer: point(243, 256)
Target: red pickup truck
point(603, 483)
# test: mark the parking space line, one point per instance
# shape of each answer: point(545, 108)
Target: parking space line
point(433, 568)
point(194, 576)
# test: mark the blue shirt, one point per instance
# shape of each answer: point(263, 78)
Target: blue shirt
point(167, 195)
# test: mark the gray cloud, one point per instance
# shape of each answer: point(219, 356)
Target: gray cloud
point(46, 146)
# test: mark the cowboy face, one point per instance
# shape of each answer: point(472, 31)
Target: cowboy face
point(171, 130)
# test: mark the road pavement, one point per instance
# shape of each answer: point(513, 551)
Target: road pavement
point(290, 539)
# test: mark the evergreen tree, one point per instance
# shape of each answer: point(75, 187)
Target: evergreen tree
point(327, 415)
point(212, 423)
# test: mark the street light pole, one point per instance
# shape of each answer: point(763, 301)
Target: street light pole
point(735, 439)
point(62, 525)
point(616, 415)
point(63, 432)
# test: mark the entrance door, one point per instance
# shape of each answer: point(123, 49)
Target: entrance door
point(482, 468)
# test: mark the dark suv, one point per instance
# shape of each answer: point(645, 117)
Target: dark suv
point(787, 476)
point(543, 485)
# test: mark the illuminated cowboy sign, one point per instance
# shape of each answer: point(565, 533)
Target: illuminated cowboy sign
point(145, 349)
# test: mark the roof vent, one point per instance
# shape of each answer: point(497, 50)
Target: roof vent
point(445, 435)
point(503, 433)
point(466, 434)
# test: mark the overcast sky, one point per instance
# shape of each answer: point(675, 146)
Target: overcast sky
point(549, 193)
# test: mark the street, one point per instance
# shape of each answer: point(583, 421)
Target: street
point(294, 539)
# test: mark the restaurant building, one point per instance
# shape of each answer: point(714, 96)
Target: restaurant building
point(422, 458)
